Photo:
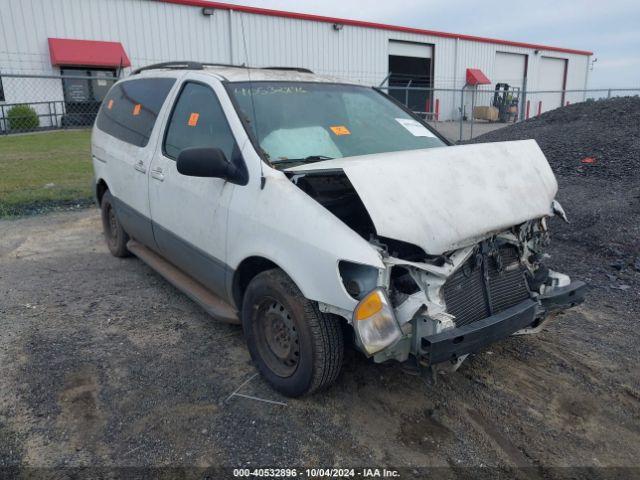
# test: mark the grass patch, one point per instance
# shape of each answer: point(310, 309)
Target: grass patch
point(43, 170)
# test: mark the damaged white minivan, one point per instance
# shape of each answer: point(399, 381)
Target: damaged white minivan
point(315, 211)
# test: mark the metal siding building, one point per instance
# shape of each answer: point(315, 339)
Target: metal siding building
point(152, 31)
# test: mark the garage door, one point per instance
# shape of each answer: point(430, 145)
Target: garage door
point(509, 68)
point(410, 66)
point(551, 75)
point(409, 49)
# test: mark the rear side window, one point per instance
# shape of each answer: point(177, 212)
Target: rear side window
point(199, 121)
point(130, 109)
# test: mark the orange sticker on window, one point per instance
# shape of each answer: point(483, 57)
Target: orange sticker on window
point(136, 109)
point(110, 104)
point(340, 130)
point(193, 119)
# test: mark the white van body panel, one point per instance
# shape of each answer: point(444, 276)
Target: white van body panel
point(128, 165)
point(278, 222)
point(283, 224)
point(125, 168)
point(192, 208)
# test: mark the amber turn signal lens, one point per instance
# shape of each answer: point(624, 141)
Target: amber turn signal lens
point(370, 305)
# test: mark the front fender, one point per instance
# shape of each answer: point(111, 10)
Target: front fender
point(284, 225)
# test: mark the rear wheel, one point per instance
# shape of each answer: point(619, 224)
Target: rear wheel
point(297, 348)
point(114, 234)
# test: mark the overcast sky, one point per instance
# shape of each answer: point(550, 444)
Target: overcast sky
point(609, 28)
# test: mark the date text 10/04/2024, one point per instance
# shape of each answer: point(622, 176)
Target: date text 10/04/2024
point(316, 473)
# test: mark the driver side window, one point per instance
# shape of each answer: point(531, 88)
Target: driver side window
point(198, 120)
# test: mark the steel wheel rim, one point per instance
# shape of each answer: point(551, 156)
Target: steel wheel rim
point(277, 337)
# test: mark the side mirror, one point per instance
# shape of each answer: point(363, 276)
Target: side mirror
point(205, 162)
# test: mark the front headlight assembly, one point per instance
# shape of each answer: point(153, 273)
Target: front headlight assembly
point(374, 322)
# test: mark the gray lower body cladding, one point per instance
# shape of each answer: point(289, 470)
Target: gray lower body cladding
point(211, 272)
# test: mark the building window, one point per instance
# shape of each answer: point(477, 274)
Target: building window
point(1, 90)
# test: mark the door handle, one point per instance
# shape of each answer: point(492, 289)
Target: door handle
point(158, 174)
point(139, 166)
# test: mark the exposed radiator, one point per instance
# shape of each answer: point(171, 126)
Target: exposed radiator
point(470, 297)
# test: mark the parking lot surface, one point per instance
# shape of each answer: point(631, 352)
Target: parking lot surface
point(103, 363)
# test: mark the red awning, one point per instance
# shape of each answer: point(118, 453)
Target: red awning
point(87, 53)
point(476, 77)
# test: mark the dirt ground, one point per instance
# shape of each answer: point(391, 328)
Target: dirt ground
point(103, 363)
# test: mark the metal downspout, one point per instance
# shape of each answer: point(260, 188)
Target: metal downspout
point(231, 37)
point(455, 76)
point(462, 109)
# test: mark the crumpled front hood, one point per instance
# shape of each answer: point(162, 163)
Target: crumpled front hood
point(446, 198)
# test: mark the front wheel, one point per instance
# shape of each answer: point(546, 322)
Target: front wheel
point(296, 348)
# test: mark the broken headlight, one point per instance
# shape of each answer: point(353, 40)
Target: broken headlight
point(375, 323)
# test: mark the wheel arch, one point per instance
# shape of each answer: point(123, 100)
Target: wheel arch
point(100, 189)
point(246, 271)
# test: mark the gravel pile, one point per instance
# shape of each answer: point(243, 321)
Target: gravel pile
point(595, 138)
point(601, 195)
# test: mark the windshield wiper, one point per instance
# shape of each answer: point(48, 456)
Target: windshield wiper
point(309, 159)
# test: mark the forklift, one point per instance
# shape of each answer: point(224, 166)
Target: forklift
point(506, 99)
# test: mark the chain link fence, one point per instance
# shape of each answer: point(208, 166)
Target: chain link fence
point(461, 114)
point(31, 103)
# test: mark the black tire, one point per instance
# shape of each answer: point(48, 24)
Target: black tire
point(296, 348)
point(114, 234)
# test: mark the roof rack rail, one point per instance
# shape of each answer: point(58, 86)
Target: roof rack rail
point(182, 65)
point(293, 69)
point(229, 65)
point(189, 65)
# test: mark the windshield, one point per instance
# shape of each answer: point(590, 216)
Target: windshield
point(298, 122)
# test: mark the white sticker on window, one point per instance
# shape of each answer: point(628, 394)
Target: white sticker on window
point(415, 128)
